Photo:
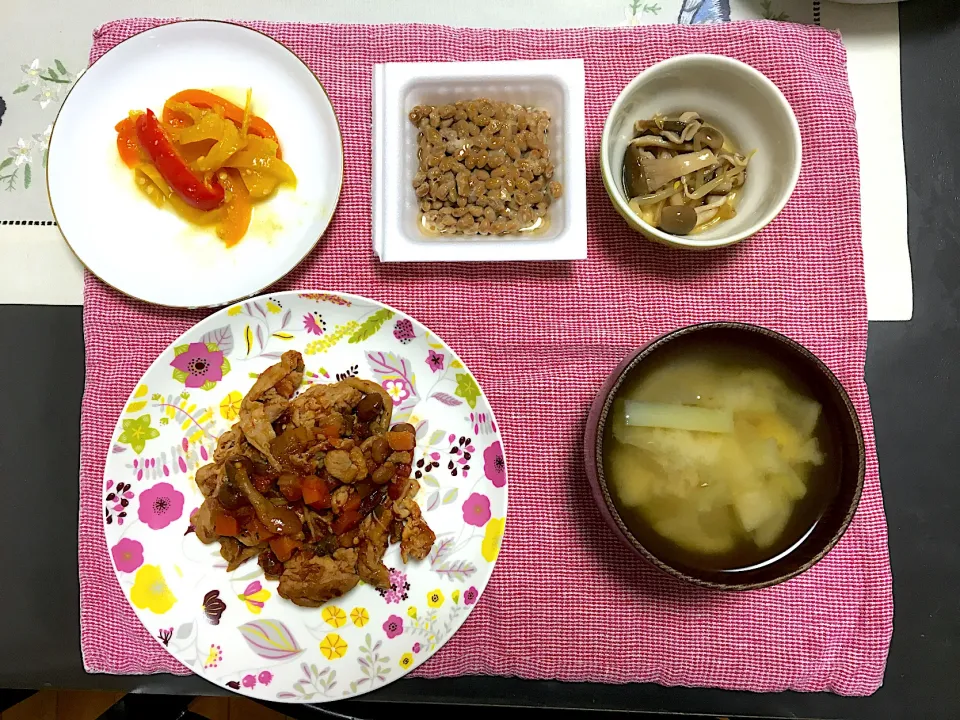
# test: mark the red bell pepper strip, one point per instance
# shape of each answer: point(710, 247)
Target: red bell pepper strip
point(193, 190)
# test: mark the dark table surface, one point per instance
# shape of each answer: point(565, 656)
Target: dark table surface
point(913, 389)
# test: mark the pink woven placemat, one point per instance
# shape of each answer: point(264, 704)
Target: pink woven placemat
point(566, 600)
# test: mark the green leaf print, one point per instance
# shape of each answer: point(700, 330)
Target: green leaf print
point(61, 67)
point(20, 89)
point(467, 389)
point(27, 176)
point(6, 163)
point(370, 326)
point(768, 13)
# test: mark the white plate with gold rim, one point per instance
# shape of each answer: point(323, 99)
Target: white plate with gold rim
point(152, 254)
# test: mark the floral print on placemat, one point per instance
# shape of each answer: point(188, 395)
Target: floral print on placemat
point(45, 84)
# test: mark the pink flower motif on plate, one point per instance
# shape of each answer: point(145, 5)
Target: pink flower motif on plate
point(248, 681)
point(160, 505)
point(265, 677)
point(416, 647)
point(127, 555)
point(314, 324)
point(470, 596)
point(200, 364)
point(494, 466)
point(435, 360)
point(476, 510)
point(393, 626)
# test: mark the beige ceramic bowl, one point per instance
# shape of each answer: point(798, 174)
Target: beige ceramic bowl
point(744, 105)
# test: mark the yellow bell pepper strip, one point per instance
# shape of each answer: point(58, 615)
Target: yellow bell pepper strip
point(261, 156)
point(204, 99)
point(238, 209)
point(230, 142)
point(192, 189)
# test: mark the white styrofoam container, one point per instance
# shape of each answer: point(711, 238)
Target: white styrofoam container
point(554, 85)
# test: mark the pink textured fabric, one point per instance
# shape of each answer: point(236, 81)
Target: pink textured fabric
point(566, 600)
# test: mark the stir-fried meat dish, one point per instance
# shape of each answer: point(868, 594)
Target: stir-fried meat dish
point(314, 486)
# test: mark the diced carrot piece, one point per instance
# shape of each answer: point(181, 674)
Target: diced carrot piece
point(225, 524)
point(315, 492)
point(401, 441)
point(283, 547)
point(346, 521)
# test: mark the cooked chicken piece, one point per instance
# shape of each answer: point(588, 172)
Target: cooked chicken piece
point(236, 554)
point(228, 444)
point(339, 499)
point(359, 461)
point(311, 581)
point(229, 548)
point(268, 399)
point(346, 466)
point(315, 405)
point(338, 464)
point(417, 538)
point(406, 506)
point(284, 377)
point(207, 478)
point(203, 519)
point(400, 458)
point(374, 537)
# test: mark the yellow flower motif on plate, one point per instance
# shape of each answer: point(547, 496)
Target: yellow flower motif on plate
point(235, 310)
point(359, 616)
point(214, 656)
point(406, 660)
point(150, 591)
point(333, 647)
point(455, 596)
point(435, 598)
point(230, 406)
point(255, 596)
point(412, 612)
point(490, 548)
point(334, 616)
point(273, 307)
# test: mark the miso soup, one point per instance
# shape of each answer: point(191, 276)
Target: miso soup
point(718, 457)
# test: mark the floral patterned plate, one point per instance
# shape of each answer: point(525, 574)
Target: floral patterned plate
point(232, 628)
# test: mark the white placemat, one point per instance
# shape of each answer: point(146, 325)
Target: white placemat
point(44, 52)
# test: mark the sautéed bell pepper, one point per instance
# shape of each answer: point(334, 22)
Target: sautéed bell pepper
point(237, 211)
point(192, 189)
point(208, 100)
point(208, 160)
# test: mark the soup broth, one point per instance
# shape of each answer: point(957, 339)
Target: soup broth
point(717, 457)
